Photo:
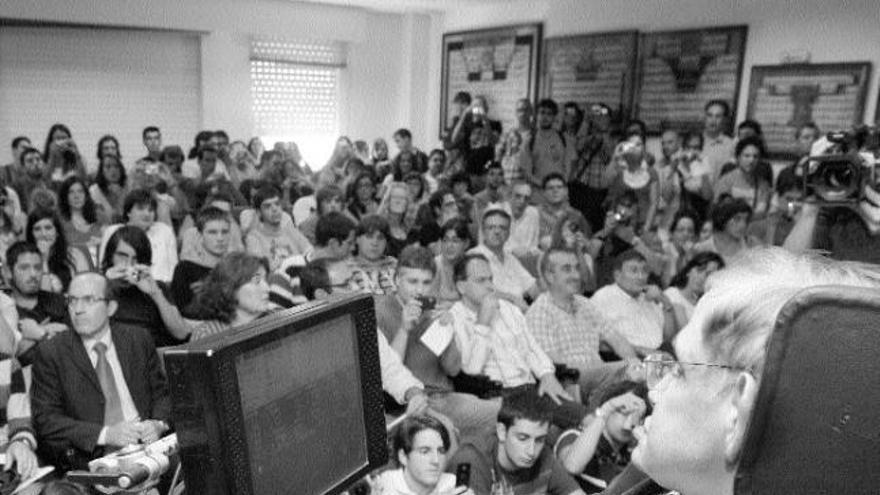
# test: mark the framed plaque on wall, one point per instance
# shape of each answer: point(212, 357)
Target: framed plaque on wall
point(783, 97)
point(500, 64)
point(591, 68)
point(679, 71)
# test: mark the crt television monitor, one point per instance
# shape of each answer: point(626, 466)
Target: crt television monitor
point(291, 403)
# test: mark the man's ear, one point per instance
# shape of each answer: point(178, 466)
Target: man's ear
point(401, 458)
point(112, 306)
point(7, 274)
point(501, 431)
point(740, 403)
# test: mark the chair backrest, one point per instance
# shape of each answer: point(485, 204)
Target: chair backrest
point(816, 425)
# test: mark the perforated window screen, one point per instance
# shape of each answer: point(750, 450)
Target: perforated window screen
point(296, 91)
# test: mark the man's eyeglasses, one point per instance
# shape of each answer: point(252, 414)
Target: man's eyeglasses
point(659, 366)
point(73, 301)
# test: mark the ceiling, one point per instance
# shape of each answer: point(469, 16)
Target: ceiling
point(409, 5)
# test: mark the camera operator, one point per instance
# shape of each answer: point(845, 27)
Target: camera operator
point(847, 232)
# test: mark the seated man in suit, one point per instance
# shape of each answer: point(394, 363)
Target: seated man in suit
point(96, 389)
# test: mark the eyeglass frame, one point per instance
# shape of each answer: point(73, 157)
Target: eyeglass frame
point(648, 363)
point(89, 300)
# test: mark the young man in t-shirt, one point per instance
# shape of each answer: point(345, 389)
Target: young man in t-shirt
point(513, 459)
point(270, 238)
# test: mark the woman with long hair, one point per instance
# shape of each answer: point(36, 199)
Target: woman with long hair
point(361, 196)
point(568, 234)
point(142, 302)
point(744, 182)
point(60, 261)
point(61, 155)
point(78, 216)
point(233, 294)
point(108, 191)
point(678, 242)
point(455, 240)
point(395, 209)
point(689, 284)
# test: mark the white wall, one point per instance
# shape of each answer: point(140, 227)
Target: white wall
point(388, 52)
point(836, 31)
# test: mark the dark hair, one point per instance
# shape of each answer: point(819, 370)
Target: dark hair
point(495, 212)
point(458, 178)
point(215, 297)
point(25, 152)
point(59, 259)
point(137, 197)
point(211, 214)
point(134, 237)
point(808, 125)
point(108, 137)
point(172, 151)
point(616, 388)
point(19, 248)
point(315, 275)
point(787, 180)
point(462, 97)
point(353, 202)
point(247, 187)
point(755, 141)
point(628, 255)
point(418, 258)
point(220, 134)
point(201, 136)
point(402, 132)
point(101, 180)
point(18, 139)
point(327, 193)
point(700, 260)
point(435, 201)
point(751, 124)
point(723, 211)
point(693, 135)
point(264, 193)
point(64, 487)
point(207, 147)
point(549, 104)
point(404, 435)
point(437, 151)
point(681, 215)
point(423, 186)
point(723, 104)
point(460, 227)
point(56, 127)
point(149, 129)
point(373, 223)
point(333, 225)
point(642, 130)
point(552, 176)
point(575, 106)
point(523, 404)
point(459, 271)
point(88, 210)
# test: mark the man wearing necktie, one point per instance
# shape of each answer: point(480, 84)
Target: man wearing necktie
point(96, 389)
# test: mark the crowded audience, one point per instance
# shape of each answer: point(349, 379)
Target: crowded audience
point(550, 258)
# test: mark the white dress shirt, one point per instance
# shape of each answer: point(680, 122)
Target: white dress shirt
point(514, 357)
point(396, 377)
point(525, 231)
point(508, 274)
point(636, 318)
point(129, 411)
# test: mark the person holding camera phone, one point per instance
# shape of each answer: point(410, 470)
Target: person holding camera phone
point(420, 446)
point(848, 231)
point(143, 302)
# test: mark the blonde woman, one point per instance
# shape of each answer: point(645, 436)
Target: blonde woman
point(395, 208)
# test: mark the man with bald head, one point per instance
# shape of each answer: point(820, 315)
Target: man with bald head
point(96, 389)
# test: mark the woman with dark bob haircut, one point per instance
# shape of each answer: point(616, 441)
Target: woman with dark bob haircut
point(234, 293)
point(689, 284)
point(420, 448)
point(730, 219)
point(60, 260)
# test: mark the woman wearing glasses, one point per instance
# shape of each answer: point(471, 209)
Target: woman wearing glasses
point(233, 294)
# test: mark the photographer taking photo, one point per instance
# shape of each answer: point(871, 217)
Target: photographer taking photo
point(848, 229)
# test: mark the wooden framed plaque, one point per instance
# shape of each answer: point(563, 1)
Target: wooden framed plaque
point(679, 71)
point(783, 97)
point(591, 68)
point(500, 64)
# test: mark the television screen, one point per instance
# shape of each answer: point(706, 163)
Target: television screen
point(289, 404)
point(300, 420)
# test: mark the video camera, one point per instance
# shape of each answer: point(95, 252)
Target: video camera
point(130, 470)
point(841, 165)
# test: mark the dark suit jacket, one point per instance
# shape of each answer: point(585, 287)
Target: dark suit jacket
point(67, 402)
